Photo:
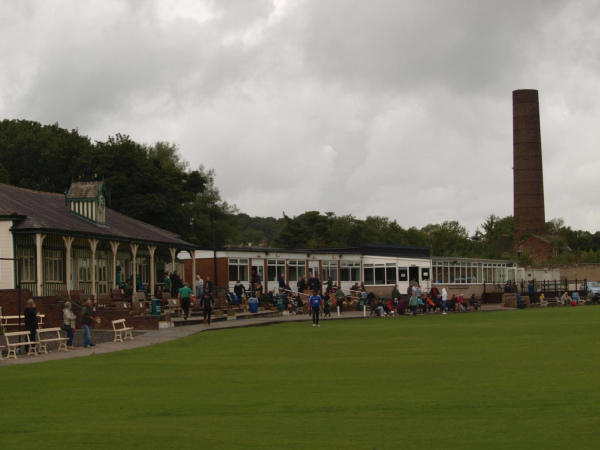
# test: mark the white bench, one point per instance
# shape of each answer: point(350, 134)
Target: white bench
point(15, 321)
point(62, 342)
point(1, 347)
point(12, 346)
point(121, 330)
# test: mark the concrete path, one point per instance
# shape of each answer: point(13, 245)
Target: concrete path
point(152, 337)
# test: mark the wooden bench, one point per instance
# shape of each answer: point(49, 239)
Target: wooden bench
point(14, 321)
point(173, 306)
point(121, 330)
point(62, 342)
point(12, 346)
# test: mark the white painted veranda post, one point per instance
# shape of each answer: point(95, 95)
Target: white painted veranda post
point(192, 282)
point(173, 255)
point(93, 246)
point(68, 245)
point(151, 250)
point(114, 247)
point(134, 249)
point(39, 240)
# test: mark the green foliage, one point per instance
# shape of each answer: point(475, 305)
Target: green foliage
point(506, 380)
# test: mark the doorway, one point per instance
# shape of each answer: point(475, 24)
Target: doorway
point(413, 274)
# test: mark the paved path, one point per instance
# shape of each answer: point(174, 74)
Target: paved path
point(152, 337)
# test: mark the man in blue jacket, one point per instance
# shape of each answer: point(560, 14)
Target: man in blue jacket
point(316, 302)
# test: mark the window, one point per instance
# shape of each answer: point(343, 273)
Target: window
point(330, 270)
point(350, 271)
point(275, 267)
point(54, 266)
point(425, 273)
point(402, 274)
point(297, 270)
point(390, 273)
point(83, 269)
point(379, 274)
point(369, 274)
point(27, 265)
point(143, 270)
point(238, 270)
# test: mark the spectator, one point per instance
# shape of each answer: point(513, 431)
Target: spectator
point(301, 285)
point(175, 284)
point(207, 302)
point(507, 288)
point(460, 301)
point(444, 301)
point(315, 302)
point(167, 286)
point(69, 320)
point(184, 295)
point(239, 290)
point(312, 283)
point(414, 304)
point(327, 302)
point(208, 286)
point(434, 293)
point(543, 301)
point(531, 291)
point(87, 319)
point(118, 280)
point(281, 282)
point(474, 303)
point(395, 293)
point(422, 305)
point(401, 307)
point(339, 296)
point(329, 285)
point(566, 299)
point(453, 302)
point(199, 286)
point(31, 321)
point(418, 291)
point(259, 290)
point(371, 301)
point(362, 287)
point(386, 308)
point(520, 301)
point(271, 297)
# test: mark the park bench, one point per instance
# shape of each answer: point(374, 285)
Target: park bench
point(173, 306)
point(122, 306)
point(121, 329)
point(15, 321)
point(62, 341)
point(12, 346)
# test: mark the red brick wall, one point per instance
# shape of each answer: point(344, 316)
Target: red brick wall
point(52, 307)
point(539, 250)
point(205, 267)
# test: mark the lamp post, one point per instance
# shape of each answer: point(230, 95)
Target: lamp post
point(214, 230)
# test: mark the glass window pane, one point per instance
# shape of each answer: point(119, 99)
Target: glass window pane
point(402, 274)
point(390, 274)
point(369, 278)
point(379, 275)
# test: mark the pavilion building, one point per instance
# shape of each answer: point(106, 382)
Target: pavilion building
point(74, 241)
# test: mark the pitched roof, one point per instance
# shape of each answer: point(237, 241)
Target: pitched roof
point(47, 212)
point(84, 189)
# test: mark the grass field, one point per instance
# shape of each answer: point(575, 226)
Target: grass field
point(522, 379)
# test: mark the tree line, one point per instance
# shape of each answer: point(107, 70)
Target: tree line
point(153, 183)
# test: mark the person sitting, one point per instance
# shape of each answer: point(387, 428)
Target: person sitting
point(452, 303)
point(271, 297)
point(575, 299)
point(401, 307)
point(431, 304)
point(566, 299)
point(543, 301)
point(422, 305)
point(460, 300)
point(473, 302)
point(386, 308)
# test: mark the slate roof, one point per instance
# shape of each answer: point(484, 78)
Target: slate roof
point(47, 212)
point(84, 189)
point(390, 250)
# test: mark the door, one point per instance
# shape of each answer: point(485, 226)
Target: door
point(413, 274)
point(102, 276)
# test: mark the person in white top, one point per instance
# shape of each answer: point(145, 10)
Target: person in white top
point(199, 286)
point(444, 301)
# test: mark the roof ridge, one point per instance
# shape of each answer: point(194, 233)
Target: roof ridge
point(49, 194)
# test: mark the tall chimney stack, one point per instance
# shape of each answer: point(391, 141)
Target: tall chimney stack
point(529, 215)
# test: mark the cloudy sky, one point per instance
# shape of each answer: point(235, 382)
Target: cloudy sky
point(382, 107)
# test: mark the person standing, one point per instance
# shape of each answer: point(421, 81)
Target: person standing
point(118, 280)
point(531, 291)
point(239, 290)
point(444, 301)
point(315, 302)
point(87, 319)
point(208, 287)
point(340, 297)
point(329, 285)
point(184, 295)
point(207, 302)
point(199, 286)
point(395, 293)
point(414, 304)
point(175, 284)
point(167, 286)
point(69, 320)
point(281, 283)
point(31, 321)
point(327, 303)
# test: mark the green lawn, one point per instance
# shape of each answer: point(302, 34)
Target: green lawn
point(522, 379)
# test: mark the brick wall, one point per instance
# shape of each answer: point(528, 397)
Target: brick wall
point(539, 250)
point(52, 307)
